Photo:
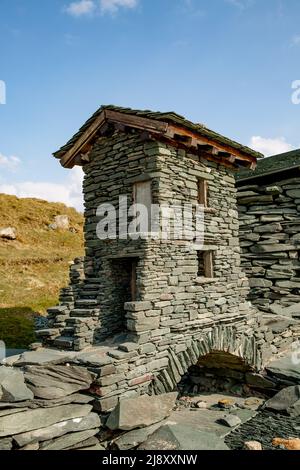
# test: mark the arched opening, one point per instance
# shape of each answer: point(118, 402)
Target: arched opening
point(215, 372)
point(220, 360)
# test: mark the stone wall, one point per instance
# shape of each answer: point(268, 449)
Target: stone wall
point(177, 316)
point(172, 302)
point(270, 240)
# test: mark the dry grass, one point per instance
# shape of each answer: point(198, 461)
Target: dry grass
point(35, 266)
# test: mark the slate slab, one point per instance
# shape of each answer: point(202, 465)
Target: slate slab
point(94, 359)
point(53, 382)
point(12, 411)
point(285, 368)
point(12, 385)
point(230, 420)
point(133, 438)
point(181, 437)
point(90, 421)
point(142, 411)
point(68, 440)
point(41, 357)
point(96, 447)
point(38, 403)
point(6, 444)
point(284, 400)
point(207, 420)
point(90, 442)
point(40, 418)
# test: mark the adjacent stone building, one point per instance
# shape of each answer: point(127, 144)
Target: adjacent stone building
point(269, 212)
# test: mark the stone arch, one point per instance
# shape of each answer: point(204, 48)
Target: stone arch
point(225, 339)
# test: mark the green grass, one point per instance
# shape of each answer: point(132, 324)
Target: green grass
point(17, 327)
point(34, 267)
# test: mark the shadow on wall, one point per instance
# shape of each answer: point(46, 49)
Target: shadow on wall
point(17, 327)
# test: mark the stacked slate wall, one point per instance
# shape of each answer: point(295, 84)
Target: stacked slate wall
point(172, 302)
point(270, 240)
point(177, 317)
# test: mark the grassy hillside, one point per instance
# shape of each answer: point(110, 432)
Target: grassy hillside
point(34, 266)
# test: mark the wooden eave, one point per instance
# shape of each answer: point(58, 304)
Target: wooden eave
point(176, 135)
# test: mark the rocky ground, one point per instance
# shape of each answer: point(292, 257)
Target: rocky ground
point(47, 403)
point(264, 428)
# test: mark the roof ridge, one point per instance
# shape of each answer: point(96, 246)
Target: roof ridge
point(169, 116)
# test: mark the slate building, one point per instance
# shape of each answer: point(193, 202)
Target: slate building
point(154, 291)
point(269, 212)
point(142, 311)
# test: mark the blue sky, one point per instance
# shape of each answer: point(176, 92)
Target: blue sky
point(227, 63)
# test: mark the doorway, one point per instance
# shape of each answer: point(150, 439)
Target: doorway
point(124, 287)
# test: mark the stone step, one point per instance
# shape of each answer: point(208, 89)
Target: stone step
point(63, 342)
point(86, 303)
point(92, 280)
point(89, 294)
point(91, 286)
point(84, 312)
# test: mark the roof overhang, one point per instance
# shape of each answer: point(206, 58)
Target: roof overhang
point(177, 135)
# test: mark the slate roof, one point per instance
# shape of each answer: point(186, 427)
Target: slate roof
point(270, 165)
point(170, 117)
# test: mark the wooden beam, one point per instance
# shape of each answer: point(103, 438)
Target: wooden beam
point(138, 122)
point(176, 135)
point(66, 160)
point(202, 140)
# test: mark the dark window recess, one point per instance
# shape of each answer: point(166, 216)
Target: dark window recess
point(205, 264)
point(202, 192)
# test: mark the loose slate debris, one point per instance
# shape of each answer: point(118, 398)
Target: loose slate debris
point(264, 427)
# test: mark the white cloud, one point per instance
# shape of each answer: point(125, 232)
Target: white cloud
point(70, 193)
point(11, 163)
point(81, 8)
point(112, 6)
point(270, 146)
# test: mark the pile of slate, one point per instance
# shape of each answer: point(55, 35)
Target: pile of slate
point(41, 408)
point(52, 407)
point(50, 402)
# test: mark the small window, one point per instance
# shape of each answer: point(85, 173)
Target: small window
point(202, 192)
point(205, 264)
point(142, 194)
